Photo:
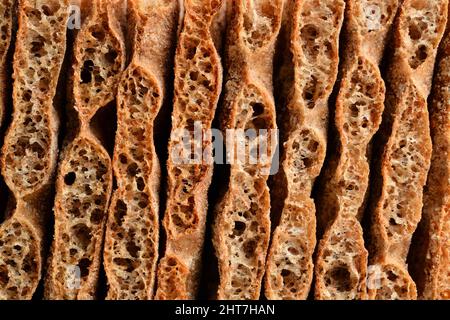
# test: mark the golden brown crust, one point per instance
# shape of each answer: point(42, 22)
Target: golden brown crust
point(6, 25)
point(30, 149)
point(198, 83)
point(431, 260)
point(241, 228)
point(341, 265)
point(132, 235)
point(407, 154)
point(314, 35)
point(84, 181)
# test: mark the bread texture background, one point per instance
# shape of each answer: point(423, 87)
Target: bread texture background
point(197, 87)
point(406, 159)
point(84, 181)
point(341, 262)
point(30, 148)
point(332, 117)
point(132, 236)
point(313, 29)
point(431, 255)
point(241, 227)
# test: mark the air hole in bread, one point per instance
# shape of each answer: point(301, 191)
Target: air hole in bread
point(96, 216)
point(313, 146)
point(121, 211)
point(4, 277)
point(144, 202)
point(37, 149)
point(249, 248)
point(258, 123)
point(239, 228)
point(69, 179)
point(27, 95)
point(420, 56)
point(4, 35)
point(132, 169)
point(123, 159)
point(339, 278)
point(391, 276)
point(309, 35)
point(309, 92)
point(258, 108)
point(98, 34)
point(111, 56)
point(193, 75)
point(190, 52)
point(50, 8)
point(354, 110)
point(75, 208)
point(140, 184)
point(37, 47)
point(125, 263)
point(33, 14)
point(415, 33)
point(84, 265)
point(82, 235)
point(133, 249)
point(285, 273)
point(86, 71)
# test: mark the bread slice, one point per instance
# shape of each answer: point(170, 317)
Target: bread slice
point(6, 25)
point(30, 148)
point(241, 228)
point(84, 181)
point(341, 262)
point(407, 154)
point(314, 27)
point(431, 262)
point(198, 83)
point(132, 236)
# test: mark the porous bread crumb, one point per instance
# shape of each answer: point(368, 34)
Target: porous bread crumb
point(341, 265)
point(29, 151)
point(406, 158)
point(84, 182)
point(430, 259)
point(30, 147)
point(241, 228)
point(313, 29)
point(198, 83)
point(132, 236)
point(19, 270)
